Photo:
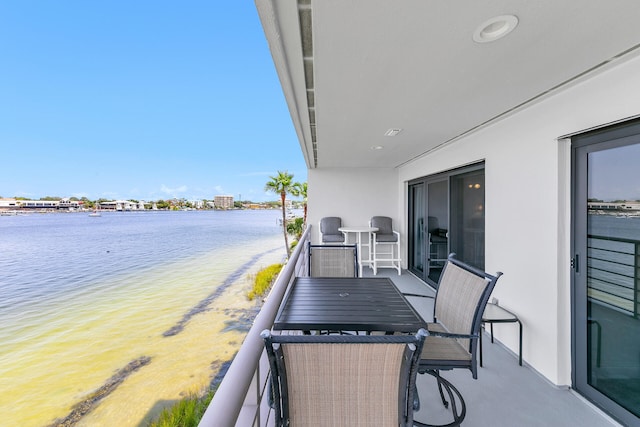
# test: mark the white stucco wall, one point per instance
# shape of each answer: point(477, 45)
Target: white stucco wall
point(528, 205)
point(355, 195)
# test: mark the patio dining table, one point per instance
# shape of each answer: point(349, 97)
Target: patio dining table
point(346, 304)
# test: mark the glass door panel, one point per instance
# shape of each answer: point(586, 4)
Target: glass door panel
point(437, 227)
point(613, 239)
point(467, 217)
point(606, 272)
point(417, 245)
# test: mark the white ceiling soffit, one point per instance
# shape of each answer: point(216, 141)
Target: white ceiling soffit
point(352, 70)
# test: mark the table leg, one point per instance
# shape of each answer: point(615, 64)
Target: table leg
point(360, 253)
point(520, 349)
point(481, 332)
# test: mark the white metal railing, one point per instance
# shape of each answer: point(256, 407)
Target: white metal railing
point(239, 400)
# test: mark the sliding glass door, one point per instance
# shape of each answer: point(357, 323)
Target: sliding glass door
point(606, 269)
point(446, 214)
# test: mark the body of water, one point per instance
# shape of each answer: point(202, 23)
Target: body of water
point(623, 227)
point(81, 298)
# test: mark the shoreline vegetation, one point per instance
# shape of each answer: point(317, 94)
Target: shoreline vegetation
point(187, 412)
point(263, 280)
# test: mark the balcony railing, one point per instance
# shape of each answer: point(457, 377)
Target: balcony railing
point(240, 398)
point(613, 273)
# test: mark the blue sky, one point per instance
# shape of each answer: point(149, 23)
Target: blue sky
point(140, 99)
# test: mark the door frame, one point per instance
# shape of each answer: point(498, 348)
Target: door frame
point(619, 135)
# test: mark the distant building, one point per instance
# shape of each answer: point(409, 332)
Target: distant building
point(63, 204)
point(121, 205)
point(8, 204)
point(69, 204)
point(614, 206)
point(223, 202)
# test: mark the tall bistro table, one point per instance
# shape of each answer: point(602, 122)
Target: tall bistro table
point(359, 231)
point(346, 304)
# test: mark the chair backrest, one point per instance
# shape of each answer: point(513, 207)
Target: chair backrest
point(330, 225)
point(383, 224)
point(333, 260)
point(343, 380)
point(463, 292)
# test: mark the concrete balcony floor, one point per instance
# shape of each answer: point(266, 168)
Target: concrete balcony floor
point(505, 394)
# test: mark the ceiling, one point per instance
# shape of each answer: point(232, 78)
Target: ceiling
point(353, 69)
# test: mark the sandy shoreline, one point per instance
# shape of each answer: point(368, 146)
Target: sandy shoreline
point(183, 363)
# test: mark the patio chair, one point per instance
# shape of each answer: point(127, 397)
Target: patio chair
point(385, 244)
point(329, 230)
point(333, 260)
point(342, 381)
point(462, 295)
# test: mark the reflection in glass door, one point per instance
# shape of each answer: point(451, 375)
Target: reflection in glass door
point(438, 227)
point(467, 217)
point(417, 256)
point(606, 239)
point(446, 214)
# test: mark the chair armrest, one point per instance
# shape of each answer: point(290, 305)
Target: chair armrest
point(451, 335)
point(418, 295)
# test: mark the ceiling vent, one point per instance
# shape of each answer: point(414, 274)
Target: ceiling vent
point(392, 132)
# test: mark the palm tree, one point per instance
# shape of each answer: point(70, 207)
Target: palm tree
point(300, 189)
point(283, 185)
point(295, 228)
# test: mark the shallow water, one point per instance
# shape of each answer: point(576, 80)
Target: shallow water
point(75, 312)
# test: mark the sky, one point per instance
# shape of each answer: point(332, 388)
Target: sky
point(140, 100)
point(614, 174)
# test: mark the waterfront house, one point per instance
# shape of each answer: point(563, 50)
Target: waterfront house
point(64, 204)
point(122, 205)
point(7, 204)
point(490, 123)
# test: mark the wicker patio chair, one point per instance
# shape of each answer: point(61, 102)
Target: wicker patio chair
point(333, 260)
point(462, 295)
point(343, 381)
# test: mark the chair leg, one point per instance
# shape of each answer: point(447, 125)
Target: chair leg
point(444, 401)
point(454, 395)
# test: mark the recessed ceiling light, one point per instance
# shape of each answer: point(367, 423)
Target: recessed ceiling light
point(495, 28)
point(392, 132)
point(377, 147)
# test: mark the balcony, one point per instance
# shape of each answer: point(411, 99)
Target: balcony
point(505, 394)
